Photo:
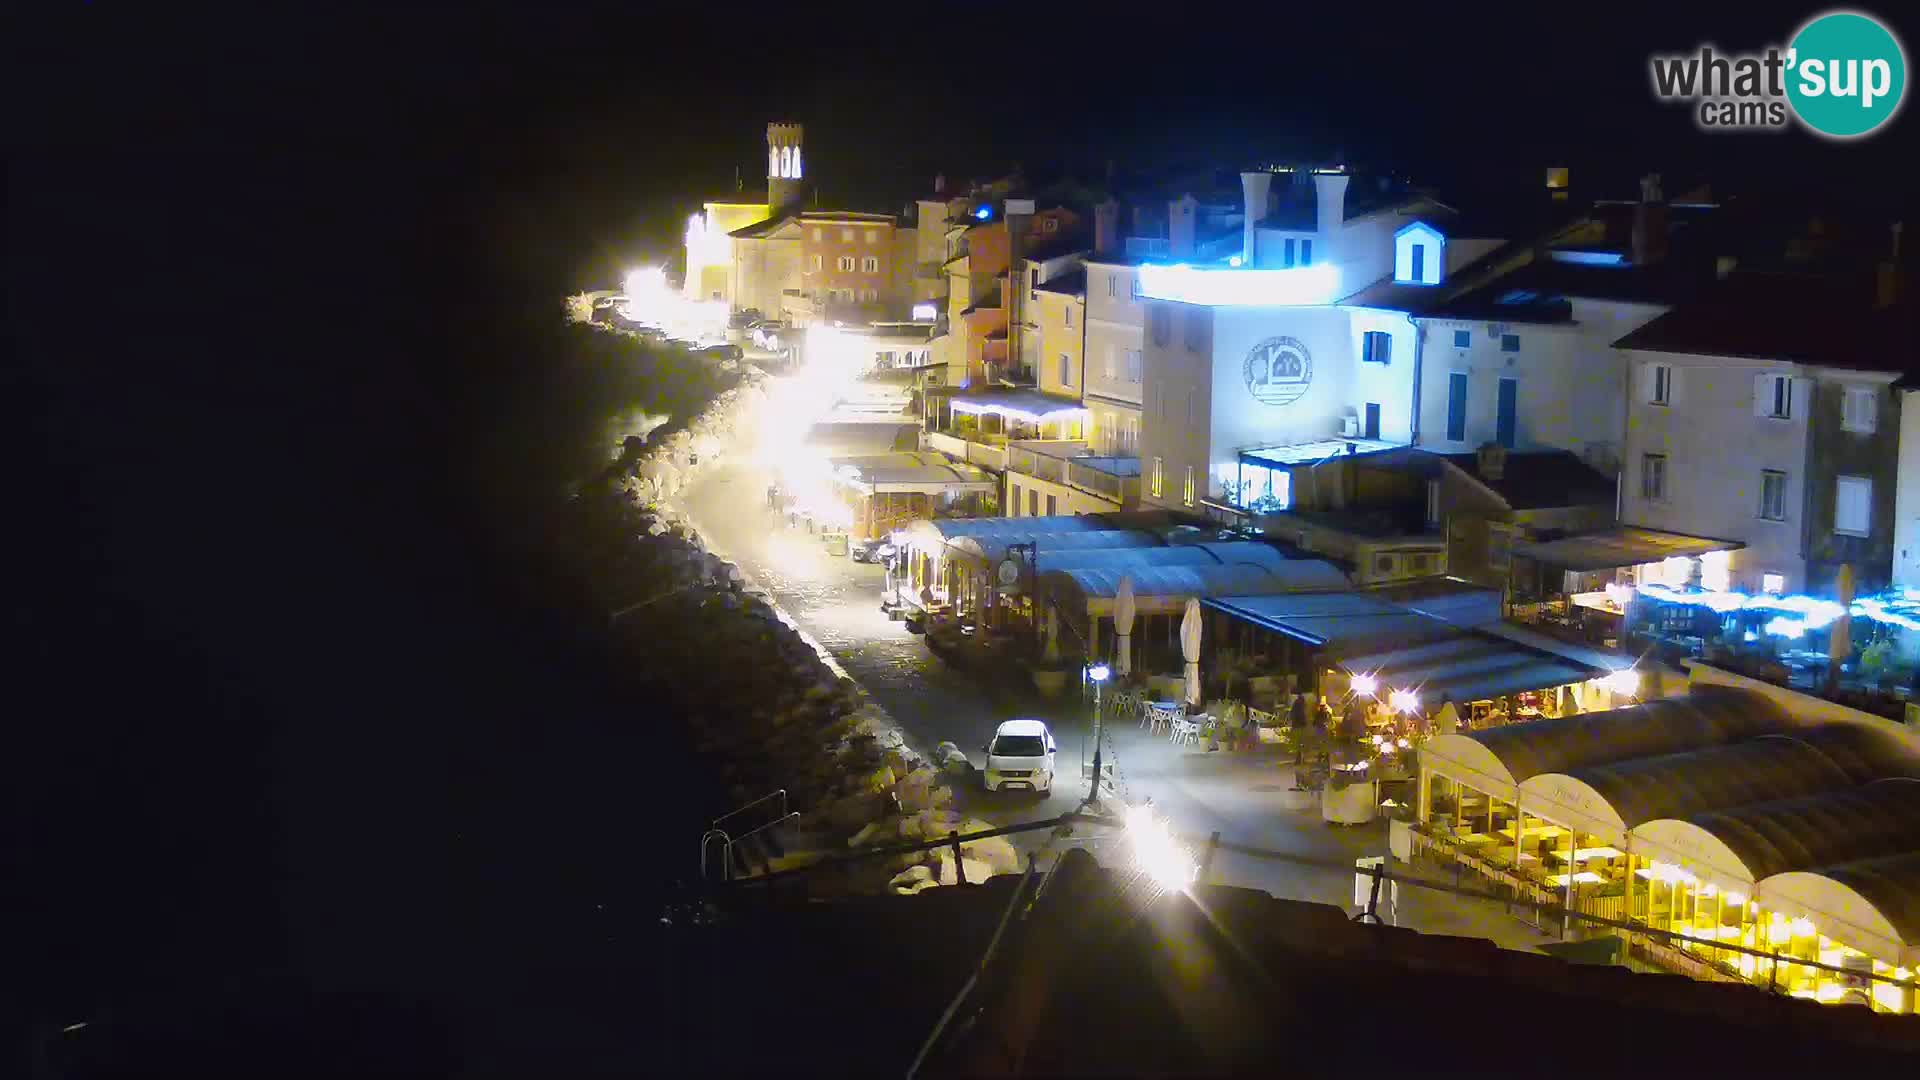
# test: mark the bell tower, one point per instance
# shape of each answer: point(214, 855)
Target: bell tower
point(785, 170)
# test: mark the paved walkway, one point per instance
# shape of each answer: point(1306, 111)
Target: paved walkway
point(1238, 794)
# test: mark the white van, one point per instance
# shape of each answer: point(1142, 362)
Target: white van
point(1020, 755)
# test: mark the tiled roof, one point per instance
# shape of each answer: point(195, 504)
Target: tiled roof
point(1531, 480)
point(1787, 317)
point(1071, 284)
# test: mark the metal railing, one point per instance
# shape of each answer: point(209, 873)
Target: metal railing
point(1096, 481)
point(715, 835)
point(1546, 907)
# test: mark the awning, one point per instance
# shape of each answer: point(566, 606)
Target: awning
point(1016, 404)
point(1620, 547)
point(1468, 666)
point(1338, 624)
point(930, 474)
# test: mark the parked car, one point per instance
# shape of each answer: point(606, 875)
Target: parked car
point(877, 550)
point(1020, 755)
point(724, 352)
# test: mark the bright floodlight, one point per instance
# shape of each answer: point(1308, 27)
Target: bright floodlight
point(1098, 673)
point(1403, 700)
point(650, 279)
point(1365, 684)
point(1626, 682)
point(1156, 854)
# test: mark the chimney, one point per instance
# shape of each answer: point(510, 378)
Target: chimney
point(1181, 215)
point(940, 184)
point(1887, 282)
point(1557, 183)
point(1254, 186)
point(1491, 459)
point(1330, 209)
point(1649, 222)
point(1106, 228)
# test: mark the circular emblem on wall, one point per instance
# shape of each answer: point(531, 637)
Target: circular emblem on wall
point(1009, 574)
point(1278, 371)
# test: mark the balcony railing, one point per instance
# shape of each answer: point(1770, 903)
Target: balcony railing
point(1066, 462)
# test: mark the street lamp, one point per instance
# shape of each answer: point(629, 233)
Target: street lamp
point(1098, 674)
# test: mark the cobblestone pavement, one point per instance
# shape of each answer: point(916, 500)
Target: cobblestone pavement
point(1238, 794)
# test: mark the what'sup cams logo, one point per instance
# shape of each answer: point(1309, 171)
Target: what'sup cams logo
point(1842, 76)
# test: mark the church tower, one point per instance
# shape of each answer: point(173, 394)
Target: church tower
point(785, 171)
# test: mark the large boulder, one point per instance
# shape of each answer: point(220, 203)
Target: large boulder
point(856, 811)
point(913, 879)
point(921, 790)
point(951, 760)
point(942, 868)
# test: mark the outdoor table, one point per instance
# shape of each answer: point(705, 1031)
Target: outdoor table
point(1534, 830)
point(1473, 838)
point(1585, 853)
point(1584, 877)
point(1163, 713)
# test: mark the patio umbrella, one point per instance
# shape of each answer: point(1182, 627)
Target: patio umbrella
point(1123, 627)
point(1840, 637)
point(1190, 648)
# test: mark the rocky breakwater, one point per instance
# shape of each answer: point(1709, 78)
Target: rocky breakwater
point(761, 701)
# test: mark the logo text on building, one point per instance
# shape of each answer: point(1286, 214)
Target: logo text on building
point(1278, 371)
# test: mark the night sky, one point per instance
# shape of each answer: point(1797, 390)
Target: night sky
point(297, 716)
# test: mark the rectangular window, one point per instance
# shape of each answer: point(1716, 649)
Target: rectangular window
point(1286, 252)
point(1371, 427)
point(1053, 505)
point(1853, 505)
point(1653, 477)
point(1113, 286)
point(1506, 417)
point(1376, 347)
point(1196, 330)
point(1433, 503)
point(816, 236)
point(870, 264)
point(1509, 342)
point(1159, 468)
point(1457, 406)
point(1106, 363)
point(1418, 272)
point(1033, 502)
point(1013, 507)
point(1660, 384)
point(816, 264)
point(1133, 365)
point(1066, 315)
point(1188, 494)
point(1773, 583)
point(845, 263)
point(873, 236)
point(1463, 339)
point(846, 236)
point(1306, 252)
point(1066, 370)
point(1773, 495)
point(1033, 283)
point(1773, 397)
point(1857, 409)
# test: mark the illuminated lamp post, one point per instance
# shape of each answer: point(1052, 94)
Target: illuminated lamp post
point(1097, 674)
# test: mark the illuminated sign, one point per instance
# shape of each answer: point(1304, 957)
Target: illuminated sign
point(1278, 371)
point(925, 312)
point(1234, 287)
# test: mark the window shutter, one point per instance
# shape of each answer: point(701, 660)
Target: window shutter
point(1763, 395)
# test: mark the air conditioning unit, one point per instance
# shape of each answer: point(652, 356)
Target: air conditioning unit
point(1350, 425)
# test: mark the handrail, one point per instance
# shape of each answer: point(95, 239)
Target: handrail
point(726, 854)
point(780, 794)
point(743, 836)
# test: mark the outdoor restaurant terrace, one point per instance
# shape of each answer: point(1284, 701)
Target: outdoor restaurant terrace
point(1782, 851)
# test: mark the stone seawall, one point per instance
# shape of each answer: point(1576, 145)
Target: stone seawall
point(763, 699)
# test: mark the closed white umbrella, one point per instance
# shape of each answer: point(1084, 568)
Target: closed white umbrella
point(1190, 648)
point(1123, 628)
